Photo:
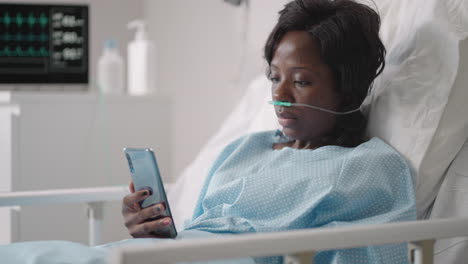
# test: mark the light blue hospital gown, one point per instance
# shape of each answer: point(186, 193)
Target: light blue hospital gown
point(253, 188)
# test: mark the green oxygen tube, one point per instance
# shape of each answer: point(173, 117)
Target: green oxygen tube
point(288, 104)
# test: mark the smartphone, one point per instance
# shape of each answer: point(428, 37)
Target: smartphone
point(145, 175)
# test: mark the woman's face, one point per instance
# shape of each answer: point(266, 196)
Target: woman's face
point(299, 75)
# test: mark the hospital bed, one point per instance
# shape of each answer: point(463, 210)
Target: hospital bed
point(417, 105)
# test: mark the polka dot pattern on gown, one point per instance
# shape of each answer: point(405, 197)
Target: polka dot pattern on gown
point(253, 188)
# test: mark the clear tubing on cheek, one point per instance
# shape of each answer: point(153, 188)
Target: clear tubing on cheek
point(288, 104)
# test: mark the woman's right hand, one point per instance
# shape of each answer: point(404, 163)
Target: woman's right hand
point(139, 221)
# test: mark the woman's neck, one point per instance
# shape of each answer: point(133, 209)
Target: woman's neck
point(301, 144)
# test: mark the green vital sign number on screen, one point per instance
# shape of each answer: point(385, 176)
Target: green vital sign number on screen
point(43, 43)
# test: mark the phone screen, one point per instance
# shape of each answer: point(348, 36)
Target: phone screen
point(145, 175)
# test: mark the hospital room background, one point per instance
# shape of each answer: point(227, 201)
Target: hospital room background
point(71, 136)
point(68, 136)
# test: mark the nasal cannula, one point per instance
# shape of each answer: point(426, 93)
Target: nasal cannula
point(288, 104)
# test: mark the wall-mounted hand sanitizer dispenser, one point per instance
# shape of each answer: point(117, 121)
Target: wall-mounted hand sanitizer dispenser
point(141, 58)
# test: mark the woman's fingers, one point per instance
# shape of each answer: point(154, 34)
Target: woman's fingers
point(131, 186)
point(156, 228)
point(155, 211)
point(131, 200)
point(139, 221)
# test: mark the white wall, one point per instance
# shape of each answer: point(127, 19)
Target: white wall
point(108, 19)
point(204, 64)
point(200, 59)
point(197, 60)
point(201, 65)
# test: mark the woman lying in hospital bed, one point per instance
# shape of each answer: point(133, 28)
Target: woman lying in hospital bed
point(318, 171)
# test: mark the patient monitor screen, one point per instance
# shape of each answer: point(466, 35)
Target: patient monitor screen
point(43, 43)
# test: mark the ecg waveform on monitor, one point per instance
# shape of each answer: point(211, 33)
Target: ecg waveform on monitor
point(24, 19)
point(29, 37)
point(20, 52)
point(46, 40)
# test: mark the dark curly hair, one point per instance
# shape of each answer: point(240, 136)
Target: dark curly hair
point(348, 33)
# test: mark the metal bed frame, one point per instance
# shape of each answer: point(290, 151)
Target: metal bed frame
point(300, 245)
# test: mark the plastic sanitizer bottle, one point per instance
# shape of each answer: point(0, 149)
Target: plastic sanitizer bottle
point(141, 61)
point(110, 70)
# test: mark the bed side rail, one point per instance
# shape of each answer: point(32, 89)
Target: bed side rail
point(95, 198)
point(300, 243)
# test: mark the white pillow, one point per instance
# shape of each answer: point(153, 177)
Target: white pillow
point(250, 115)
point(413, 105)
point(453, 194)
